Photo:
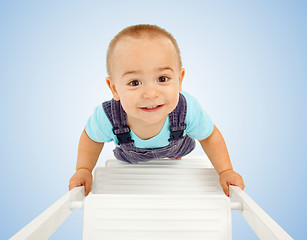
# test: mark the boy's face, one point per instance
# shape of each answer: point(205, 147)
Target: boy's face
point(146, 78)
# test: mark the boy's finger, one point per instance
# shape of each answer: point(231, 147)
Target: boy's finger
point(87, 188)
point(73, 185)
point(225, 187)
point(226, 191)
point(242, 186)
point(239, 183)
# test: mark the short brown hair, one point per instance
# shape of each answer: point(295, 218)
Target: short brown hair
point(138, 31)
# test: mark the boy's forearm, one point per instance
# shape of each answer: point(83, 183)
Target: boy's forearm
point(216, 150)
point(88, 152)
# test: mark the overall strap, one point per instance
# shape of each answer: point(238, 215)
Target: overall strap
point(118, 119)
point(177, 119)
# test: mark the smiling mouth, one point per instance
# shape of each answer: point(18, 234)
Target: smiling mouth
point(152, 108)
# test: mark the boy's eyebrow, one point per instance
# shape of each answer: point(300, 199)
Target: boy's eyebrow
point(165, 68)
point(130, 72)
point(157, 69)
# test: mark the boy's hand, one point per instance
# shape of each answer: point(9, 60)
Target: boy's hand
point(82, 177)
point(230, 177)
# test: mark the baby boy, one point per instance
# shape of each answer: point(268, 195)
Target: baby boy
point(149, 117)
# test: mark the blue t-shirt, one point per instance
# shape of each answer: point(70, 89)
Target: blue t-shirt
point(199, 126)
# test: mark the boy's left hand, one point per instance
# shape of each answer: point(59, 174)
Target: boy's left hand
point(230, 177)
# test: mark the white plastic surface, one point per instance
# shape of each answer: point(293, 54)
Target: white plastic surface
point(156, 217)
point(190, 181)
point(161, 199)
point(190, 175)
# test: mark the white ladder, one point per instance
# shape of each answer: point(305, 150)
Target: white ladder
point(161, 199)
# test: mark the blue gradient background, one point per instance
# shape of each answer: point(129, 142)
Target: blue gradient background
point(245, 61)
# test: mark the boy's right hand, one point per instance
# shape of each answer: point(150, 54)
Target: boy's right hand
point(82, 177)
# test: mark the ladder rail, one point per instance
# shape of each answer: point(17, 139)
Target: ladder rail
point(261, 223)
point(44, 225)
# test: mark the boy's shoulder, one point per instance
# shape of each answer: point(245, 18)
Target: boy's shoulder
point(186, 94)
point(191, 100)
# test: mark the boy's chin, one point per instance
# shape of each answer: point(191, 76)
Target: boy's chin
point(153, 119)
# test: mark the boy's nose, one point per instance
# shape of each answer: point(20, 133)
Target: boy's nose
point(150, 92)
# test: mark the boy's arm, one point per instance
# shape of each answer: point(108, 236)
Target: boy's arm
point(216, 150)
point(88, 153)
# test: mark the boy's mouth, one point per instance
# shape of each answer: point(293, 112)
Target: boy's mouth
point(151, 108)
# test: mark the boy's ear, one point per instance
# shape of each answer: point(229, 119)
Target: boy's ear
point(112, 88)
point(182, 73)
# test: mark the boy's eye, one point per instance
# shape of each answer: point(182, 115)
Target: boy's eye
point(135, 83)
point(163, 79)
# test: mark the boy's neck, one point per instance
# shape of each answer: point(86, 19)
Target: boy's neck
point(145, 130)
